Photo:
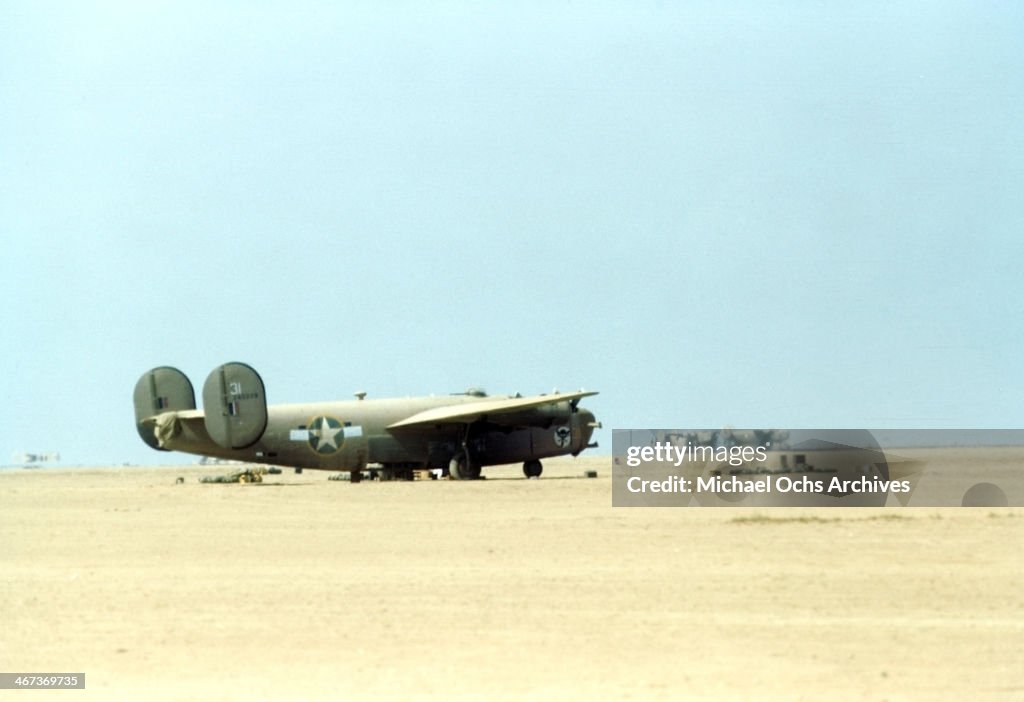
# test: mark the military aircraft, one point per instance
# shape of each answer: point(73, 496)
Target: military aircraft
point(458, 433)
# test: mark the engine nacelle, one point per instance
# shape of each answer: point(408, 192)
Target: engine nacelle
point(555, 413)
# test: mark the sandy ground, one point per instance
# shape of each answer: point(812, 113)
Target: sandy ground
point(304, 588)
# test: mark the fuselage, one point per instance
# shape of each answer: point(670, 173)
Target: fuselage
point(350, 435)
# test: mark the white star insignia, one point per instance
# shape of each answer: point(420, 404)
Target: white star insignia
point(327, 435)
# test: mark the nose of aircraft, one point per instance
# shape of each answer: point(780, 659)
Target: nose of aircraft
point(585, 423)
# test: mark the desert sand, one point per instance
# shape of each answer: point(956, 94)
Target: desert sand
point(304, 588)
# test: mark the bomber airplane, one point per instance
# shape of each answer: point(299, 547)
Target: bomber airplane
point(459, 433)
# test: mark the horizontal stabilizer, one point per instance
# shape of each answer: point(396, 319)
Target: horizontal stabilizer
point(160, 390)
point(506, 411)
point(234, 405)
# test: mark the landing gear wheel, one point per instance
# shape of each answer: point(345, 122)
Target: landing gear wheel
point(461, 468)
point(532, 469)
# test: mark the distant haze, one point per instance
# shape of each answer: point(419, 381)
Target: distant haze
point(743, 214)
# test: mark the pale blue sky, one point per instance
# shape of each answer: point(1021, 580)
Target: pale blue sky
point(750, 214)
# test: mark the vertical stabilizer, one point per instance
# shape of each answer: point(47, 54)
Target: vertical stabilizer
point(234, 406)
point(160, 390)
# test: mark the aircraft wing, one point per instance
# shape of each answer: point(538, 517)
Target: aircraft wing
point(494, 410)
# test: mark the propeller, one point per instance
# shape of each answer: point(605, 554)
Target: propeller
point(574, 403)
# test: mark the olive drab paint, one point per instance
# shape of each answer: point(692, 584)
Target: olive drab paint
point(162, 389)
point(235, 405)
point(397, 435)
